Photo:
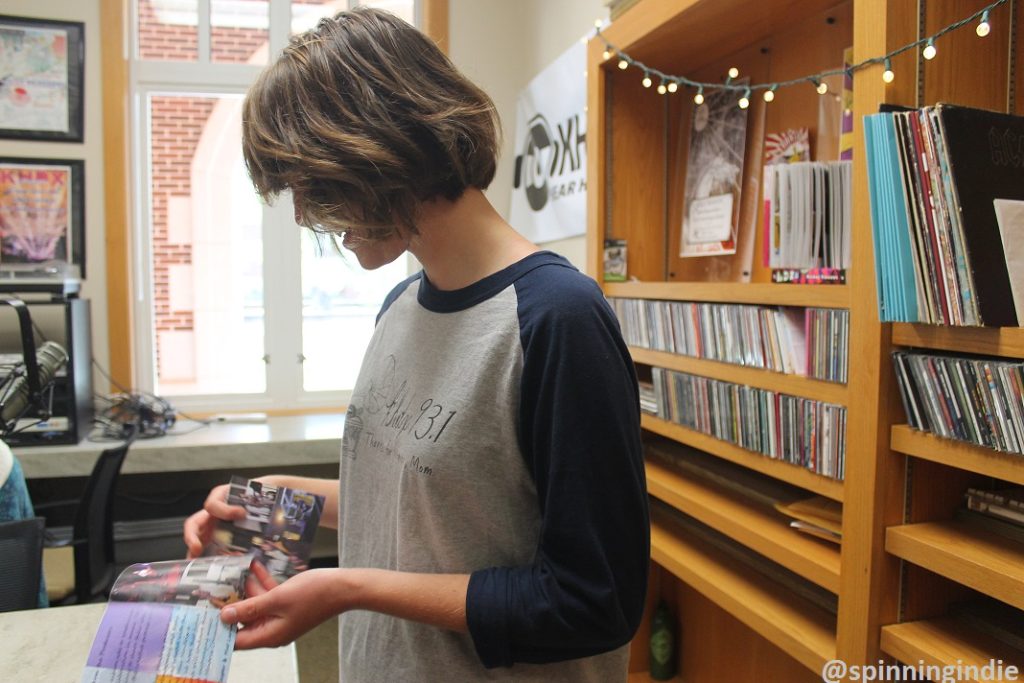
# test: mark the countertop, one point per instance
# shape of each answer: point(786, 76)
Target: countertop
point(281, 440)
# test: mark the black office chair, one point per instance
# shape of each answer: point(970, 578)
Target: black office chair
point(82, 570)
point(21, 559)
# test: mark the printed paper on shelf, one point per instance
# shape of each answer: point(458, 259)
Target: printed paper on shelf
point(714, 171)
point(1010, 215)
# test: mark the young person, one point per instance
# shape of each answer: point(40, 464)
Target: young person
point(491, 506)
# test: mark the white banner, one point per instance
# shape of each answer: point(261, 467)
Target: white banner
point(549, 196)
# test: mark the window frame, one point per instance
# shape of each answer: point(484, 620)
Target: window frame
point(282, 263)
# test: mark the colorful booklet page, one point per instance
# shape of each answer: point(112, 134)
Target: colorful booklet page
point(162, 624)
point(278, 529)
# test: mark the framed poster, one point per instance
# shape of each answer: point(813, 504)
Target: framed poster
point(714, 171)
point(42, 215)
point(41, 79)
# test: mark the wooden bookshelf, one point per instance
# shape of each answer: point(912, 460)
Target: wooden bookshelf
point(637, 146)
point(965, 456)
point(819, 296)
point(645, 677)
point(794, 385)
point(947, 642)
point(755, 526)
point(802, 630)
point(986, 562)
point(989, 341)
point(778, 469)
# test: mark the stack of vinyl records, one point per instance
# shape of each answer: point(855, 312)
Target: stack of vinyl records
point(947, 190)
point(978, 400)
point(797, 430)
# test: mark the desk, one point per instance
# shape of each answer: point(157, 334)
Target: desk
point(281, 441)
point(51, 646)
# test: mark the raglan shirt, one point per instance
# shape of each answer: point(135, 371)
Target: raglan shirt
point(494, 431)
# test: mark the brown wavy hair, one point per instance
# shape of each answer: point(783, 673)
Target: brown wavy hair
point(363, 118)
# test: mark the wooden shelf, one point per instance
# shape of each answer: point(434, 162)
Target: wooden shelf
point(778, 469)
point(824, 296)
point(795, 385)
point(946, 642)
point(652, 32)
point(986, 562)
point(755, 526)
point(645, 677)
point(991, 341)
point(1007, 466)
point(802, 630)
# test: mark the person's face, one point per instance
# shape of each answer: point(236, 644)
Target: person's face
point(373, 254)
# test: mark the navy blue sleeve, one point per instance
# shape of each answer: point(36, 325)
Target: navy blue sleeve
point(579, 428)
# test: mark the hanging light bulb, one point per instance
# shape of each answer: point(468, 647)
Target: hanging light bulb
point(734, 72)
point(606, 55)
point(662, 88)
point(888, 74)
point(647, 80)
point(929, 50)
point(984, 28)
point(623, 64)
point(673, 86)
point(745, 100)
point(698, 99)
point(820, 85)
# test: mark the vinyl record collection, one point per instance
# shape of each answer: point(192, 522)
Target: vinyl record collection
point(978, 400)
point(945, 192)
point(811, 342)
point(797, 430)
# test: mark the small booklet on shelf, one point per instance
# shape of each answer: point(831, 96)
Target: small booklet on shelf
point(278, 529)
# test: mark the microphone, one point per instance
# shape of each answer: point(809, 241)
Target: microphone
point(15, 394)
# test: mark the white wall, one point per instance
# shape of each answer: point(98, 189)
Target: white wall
point(91, 150)
point(501, 45)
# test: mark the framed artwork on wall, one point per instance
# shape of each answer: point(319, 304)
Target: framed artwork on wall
point(42, 216)
point(41, 79)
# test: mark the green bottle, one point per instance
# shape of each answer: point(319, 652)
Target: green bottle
point(663, 644)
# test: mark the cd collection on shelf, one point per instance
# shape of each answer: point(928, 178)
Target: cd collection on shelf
point(797, 430)
point(810, 342)
point(946, 202)
point(977, 400)
point(807, 215)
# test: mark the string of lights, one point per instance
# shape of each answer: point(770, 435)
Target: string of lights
point(669, 83)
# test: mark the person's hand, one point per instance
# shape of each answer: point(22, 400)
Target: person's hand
point(276, 614)
point(199, 527)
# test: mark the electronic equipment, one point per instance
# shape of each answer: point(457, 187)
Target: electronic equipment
point(21, 392)
point(46, 394)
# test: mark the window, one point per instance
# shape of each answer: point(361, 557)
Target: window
point(212, 332)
